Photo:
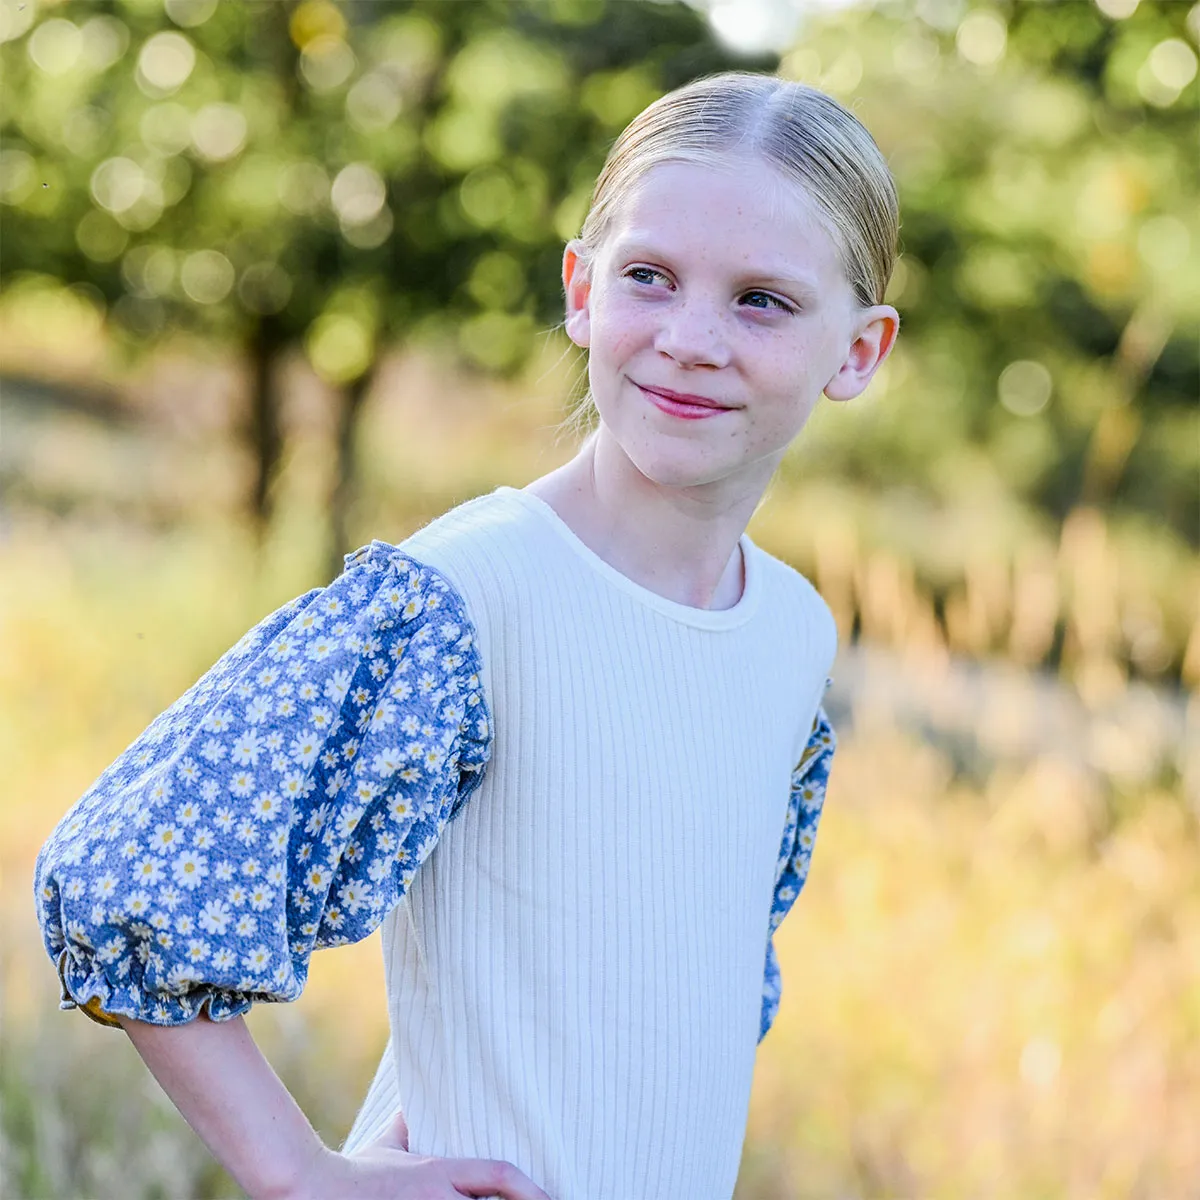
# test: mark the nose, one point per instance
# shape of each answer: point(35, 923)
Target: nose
point(692, 333)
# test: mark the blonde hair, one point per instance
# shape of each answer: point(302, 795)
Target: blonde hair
point(805, 134)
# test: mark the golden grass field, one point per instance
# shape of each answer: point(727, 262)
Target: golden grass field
point(991, 981)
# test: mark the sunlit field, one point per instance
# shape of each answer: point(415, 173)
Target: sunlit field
point(283, 278)
point(992, 980)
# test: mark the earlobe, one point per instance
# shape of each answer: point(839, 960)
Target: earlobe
point(577, 288)
point(876, 335)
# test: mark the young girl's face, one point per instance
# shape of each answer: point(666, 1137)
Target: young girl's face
point(718, 286)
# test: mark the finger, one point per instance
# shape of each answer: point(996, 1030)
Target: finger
point(489, 1177)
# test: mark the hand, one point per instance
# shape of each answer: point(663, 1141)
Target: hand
point(385, 1170)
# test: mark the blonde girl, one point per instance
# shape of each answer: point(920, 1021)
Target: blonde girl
point(565, 743)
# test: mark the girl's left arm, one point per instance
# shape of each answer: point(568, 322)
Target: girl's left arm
point(806, 802)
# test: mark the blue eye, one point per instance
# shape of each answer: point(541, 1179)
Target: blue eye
point(771, 302)
point(644, 274)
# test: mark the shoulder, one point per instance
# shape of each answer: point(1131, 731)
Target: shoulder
point(797, 604)
point(485, 548)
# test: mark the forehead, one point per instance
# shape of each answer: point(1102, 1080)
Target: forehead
point(740, 209)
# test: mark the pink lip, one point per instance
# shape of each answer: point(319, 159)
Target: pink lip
point(682, 404)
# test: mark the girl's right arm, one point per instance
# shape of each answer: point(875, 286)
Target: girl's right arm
point(217, 1077)
point(281, 805)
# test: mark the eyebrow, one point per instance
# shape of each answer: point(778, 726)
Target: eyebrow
point(781, 273)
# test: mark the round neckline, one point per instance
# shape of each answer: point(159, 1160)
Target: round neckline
point(704, 618)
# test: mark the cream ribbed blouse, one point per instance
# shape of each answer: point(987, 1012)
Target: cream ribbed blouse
point(575, 976)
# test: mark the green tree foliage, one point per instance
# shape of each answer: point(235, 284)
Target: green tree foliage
point(1050, 278)
point(345, 176)
point(336, 174)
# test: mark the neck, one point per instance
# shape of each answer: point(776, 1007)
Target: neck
point(681, 543)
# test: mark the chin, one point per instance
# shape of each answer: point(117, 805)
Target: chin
point(678, 466)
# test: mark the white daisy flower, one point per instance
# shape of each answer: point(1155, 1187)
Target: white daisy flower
point(388, 761)
point(292, 785)
point(217, 721)
point(112, 949)
point(213, 750)
point(317, 878)
point(305, 747)
point(214, 917)
point(197, 950)
point(347, 822)
point(257, 959)
point(189, 869)
point(165, 837)
point(365, 791)
point(320, 648)
point(181, 976)
point(282, 647)
point(382, 715)
point(266, 806)
point(246, 748)
point(356, 895)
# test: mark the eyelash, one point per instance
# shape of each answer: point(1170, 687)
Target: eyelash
point(779, 305)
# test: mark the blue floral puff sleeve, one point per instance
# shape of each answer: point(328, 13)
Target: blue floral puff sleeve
point(806, 800)
point(282, 804)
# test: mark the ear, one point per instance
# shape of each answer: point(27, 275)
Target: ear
point(874, 333)
point(578, 293)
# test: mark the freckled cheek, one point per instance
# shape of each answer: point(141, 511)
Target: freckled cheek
point(616, 337)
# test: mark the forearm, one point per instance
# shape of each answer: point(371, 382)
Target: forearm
point(229, 1094)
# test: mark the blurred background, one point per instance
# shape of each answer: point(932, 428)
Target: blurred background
point(282, 277)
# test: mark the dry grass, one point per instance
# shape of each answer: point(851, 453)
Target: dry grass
point(992, 982)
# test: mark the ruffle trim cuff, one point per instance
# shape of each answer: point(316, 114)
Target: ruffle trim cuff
point(97, 997)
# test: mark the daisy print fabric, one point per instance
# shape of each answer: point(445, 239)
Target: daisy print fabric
point(806, 800)
point(281, 805)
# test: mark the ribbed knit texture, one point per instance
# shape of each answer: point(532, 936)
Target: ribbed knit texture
point(575, 976)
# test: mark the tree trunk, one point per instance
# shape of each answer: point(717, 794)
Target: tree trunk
point(265, 346)
point(342, 498)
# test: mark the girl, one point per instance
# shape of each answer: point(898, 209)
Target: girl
point(565, 742)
